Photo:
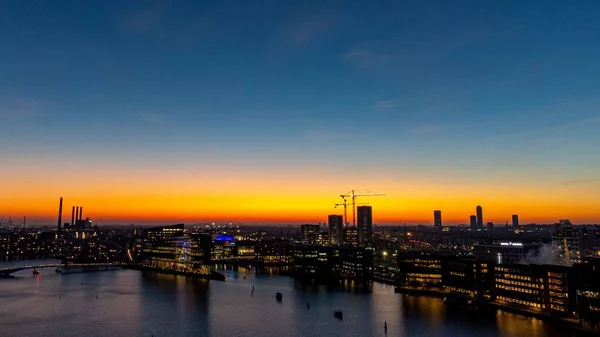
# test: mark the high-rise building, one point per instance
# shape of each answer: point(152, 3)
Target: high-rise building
point(515, 221)
point(479, 217)
point(437, 219)
point(365, 224)
point(336, 229)
point(473, 221)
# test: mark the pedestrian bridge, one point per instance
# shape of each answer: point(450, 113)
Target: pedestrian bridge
point(8, 271)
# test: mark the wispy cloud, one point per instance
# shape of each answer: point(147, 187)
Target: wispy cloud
point(384, 104)
point(582, 181)
point(366, 58)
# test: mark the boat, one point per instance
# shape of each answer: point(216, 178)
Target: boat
point(36, 271)
point(338, 314)
point(58, 270)
point(279, 296)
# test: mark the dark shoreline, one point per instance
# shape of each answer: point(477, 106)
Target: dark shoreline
point(213, 276)
point(566, 322)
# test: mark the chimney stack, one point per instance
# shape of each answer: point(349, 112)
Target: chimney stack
point(80, 212)
point(76, 213)
point(73, 217)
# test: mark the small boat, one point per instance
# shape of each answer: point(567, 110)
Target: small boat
point(279, 297)
point(58, 270)
point(36, 272)
point(338, 314)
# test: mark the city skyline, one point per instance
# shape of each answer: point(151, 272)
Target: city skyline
point(159, 112)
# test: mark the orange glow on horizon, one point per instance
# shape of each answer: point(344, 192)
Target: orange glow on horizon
point(290, 197)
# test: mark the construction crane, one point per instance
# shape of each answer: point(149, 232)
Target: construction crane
point(354, 194)
point(345, 204)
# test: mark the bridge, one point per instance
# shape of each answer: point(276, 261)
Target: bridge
point(8, 271)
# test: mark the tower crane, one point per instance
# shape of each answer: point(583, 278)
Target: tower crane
point(354, 194)
point(345, 204)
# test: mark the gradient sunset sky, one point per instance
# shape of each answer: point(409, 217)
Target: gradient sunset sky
point(266, 111)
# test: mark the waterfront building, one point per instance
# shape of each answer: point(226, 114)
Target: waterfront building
point(331, 263)
point(588, 294)
point(468, 276)
point(312, 261)
point(336, 229)
point(437, 219)
point(419, 270)
point(365, 224)
point(170, 248)
point(479, 211)
point(543, 288)
point(275, 251)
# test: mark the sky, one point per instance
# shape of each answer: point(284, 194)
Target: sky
point(266, 111)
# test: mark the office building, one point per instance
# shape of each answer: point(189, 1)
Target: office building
point(351, 236)
point(365, 224)
point(479, 217)
point(170, 248)
point(309, 234)
point(224, 247)
point(336, 229)
point(574, 245)
point(515, 221)
point(473, 222)
point(437, 219)
point(273, 252)
point(542, 288)
point(333, 263)
point(419, 270)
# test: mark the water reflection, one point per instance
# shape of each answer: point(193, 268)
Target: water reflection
point(141, 304)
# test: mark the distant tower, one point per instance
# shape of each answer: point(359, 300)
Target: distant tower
point(515, 221)
point(479, 217)
point(473, 222)
point(437, 219)
point(59, 213)
point(365, 224)
point(336, 229)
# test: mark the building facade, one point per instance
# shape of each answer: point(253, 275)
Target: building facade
point(365, 224)
point(336, 229)
point(437, 219)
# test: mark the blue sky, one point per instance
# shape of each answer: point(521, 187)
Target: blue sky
point(466, 88)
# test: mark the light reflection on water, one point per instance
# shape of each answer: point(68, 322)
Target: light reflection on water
point(133, 303)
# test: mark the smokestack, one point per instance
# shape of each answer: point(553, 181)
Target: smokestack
point(59, 213)
point(76, 213)
point(73, 217)
point(80, 212)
